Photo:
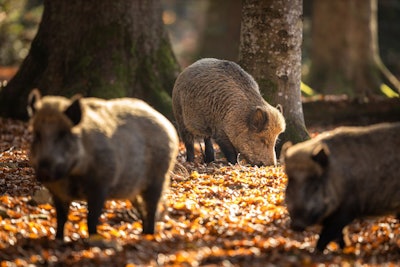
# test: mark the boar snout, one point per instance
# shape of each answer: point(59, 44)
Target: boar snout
point(301, 223)
point(46, 171)
point(301, 219)
point(297, 226)
point(264, 163)
point(271, 160)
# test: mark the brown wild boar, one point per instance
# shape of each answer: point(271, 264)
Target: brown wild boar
point(217, 99)
point(92, 149)
point(341, 175)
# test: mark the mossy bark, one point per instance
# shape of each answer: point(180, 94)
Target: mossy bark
point(98, 48)
point(270, 50)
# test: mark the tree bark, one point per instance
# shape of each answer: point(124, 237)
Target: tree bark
point(344, 53)
point(97, 48)
point(270, 50)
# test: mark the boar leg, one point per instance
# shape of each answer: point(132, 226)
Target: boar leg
point(189, 151)
point(329, 234)
point(333, 230)
point(148, 209)
point(226, 147)
point(209, 150)
point(188, 140)
point(62, 209)
point(96, 199)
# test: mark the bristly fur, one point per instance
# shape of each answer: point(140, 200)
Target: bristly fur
point(342, 175)
point(93, 149)
point(217, 99)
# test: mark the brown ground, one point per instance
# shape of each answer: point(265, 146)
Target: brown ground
point(215, 215)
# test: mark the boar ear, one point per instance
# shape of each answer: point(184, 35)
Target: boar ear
point(320, 155)
point(258, 119)
point(74, 111)
point(33, 98)
point(284, 148)
point(280, 108)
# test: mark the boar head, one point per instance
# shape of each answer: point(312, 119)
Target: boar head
point(257, 141)
point(310, 196)
point(56, 148)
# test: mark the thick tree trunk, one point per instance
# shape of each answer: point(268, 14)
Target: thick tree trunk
point(97, 48)
point(344, 54)
point(270, 50)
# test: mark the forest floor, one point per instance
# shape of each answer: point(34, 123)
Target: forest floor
point(214, 215)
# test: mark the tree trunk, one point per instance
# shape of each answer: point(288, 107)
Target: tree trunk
point(388, 29)
point(344, 52)
point(270, 50)
point(97, 48)
point(222, 32)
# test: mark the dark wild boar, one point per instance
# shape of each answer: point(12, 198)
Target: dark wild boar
point(341, 175)
point(92, 149)
point(217, 99)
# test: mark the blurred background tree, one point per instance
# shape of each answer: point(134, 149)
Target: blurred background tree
point(389, 34)
point(220, 38)
point(97, 48)
point(18, 25)
point(209, 28)
point(344, 49)
point(188, 22)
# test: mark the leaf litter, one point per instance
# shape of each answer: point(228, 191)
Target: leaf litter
point(212, 215)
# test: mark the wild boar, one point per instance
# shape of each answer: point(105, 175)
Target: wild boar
point(92, 149)
point(217, 99)
point(341, 175)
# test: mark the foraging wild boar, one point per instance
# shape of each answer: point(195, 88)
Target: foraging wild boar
point(217, 99)
point(341, 175)
point(93, 150)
